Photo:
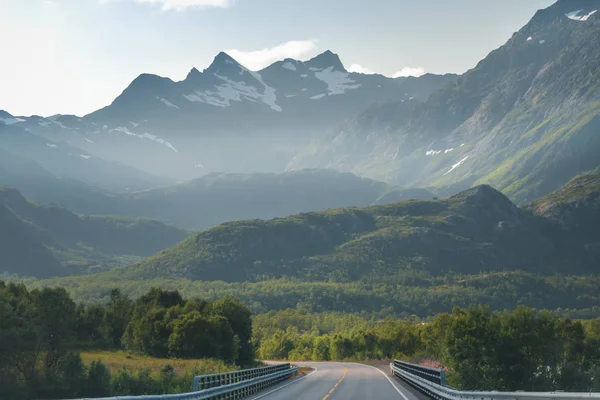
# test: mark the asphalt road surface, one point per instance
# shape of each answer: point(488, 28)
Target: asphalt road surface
point(342, 381)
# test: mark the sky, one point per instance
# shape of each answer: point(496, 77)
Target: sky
point(76, 56)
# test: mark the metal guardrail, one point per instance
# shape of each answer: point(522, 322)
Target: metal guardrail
point(431, 374)
point(232, 391)
point(440, 392)
point(214, 380)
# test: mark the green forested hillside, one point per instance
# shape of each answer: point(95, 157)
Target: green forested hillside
point(478, 230)
point(39, 238)
point(412, 257)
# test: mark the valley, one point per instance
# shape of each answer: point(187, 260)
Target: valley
point(305, 208)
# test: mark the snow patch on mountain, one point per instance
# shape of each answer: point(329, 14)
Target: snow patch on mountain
point(51, 145)
point(145, 136)
point(574, 15)
point(288, 65)
point(236, 91)
point(60, 124)
point(458, 164)
point(432, 152)
point(303, 76)
point(448, 150)
point(319, 96)
point(337, 81)
point(269, 96)
point(158, 140)
point(314, 69)
point(89, 141)
point(11, 121)
point(85, 156)
point(167, 102)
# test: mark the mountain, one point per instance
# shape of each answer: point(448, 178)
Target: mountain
point(523, 120)
point(576, 206)
point(41, 236)
point(476, 231)
point(217, 197)
point(69, 162)
point(22, 252)
point(40, 185)
point(227, 118)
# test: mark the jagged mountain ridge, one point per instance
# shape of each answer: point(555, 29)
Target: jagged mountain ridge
point(228, 118)
point(65, 160)
point(522, 120)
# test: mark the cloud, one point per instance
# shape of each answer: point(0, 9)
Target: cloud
point(258, 59)
point(360, 69)
point(409, 71)
point(180, 5)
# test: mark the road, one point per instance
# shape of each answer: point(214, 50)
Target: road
point(342, 381)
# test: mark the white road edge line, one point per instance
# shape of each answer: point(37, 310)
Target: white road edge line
point(286, 385)
point(388, 378)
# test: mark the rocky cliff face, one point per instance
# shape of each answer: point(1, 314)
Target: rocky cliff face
point(523, 120)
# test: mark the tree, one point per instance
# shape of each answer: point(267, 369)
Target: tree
point(116, 316)
point(239, 317)
point(196, 336)
point(321, 348)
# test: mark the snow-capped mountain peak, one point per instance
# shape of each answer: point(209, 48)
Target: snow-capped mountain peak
point(326, 60)
point(8, 119)
point(223, 62)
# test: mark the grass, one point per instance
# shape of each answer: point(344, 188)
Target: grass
point(116, 360)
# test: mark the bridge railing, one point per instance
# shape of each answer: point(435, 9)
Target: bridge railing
point(253, 382)
point(441, 392)
point(226, 378)
point(431, 374)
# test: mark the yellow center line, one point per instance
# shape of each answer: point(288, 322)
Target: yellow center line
point(336, 385)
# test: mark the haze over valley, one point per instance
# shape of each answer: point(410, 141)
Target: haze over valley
point(284, 203)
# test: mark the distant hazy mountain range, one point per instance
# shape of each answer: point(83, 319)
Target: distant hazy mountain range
point(226, 118)
point(524, 119)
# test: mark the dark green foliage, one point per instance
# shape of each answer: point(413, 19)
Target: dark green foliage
point(117, 314)
point(98, 380)
point(162, 324)
point(525, 349)
point(40, 328)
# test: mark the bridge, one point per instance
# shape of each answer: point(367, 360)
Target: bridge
point(342, 381)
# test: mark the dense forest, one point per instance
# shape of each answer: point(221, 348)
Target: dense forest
point(410, 292)
point(42, 330)
point(524, 349)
